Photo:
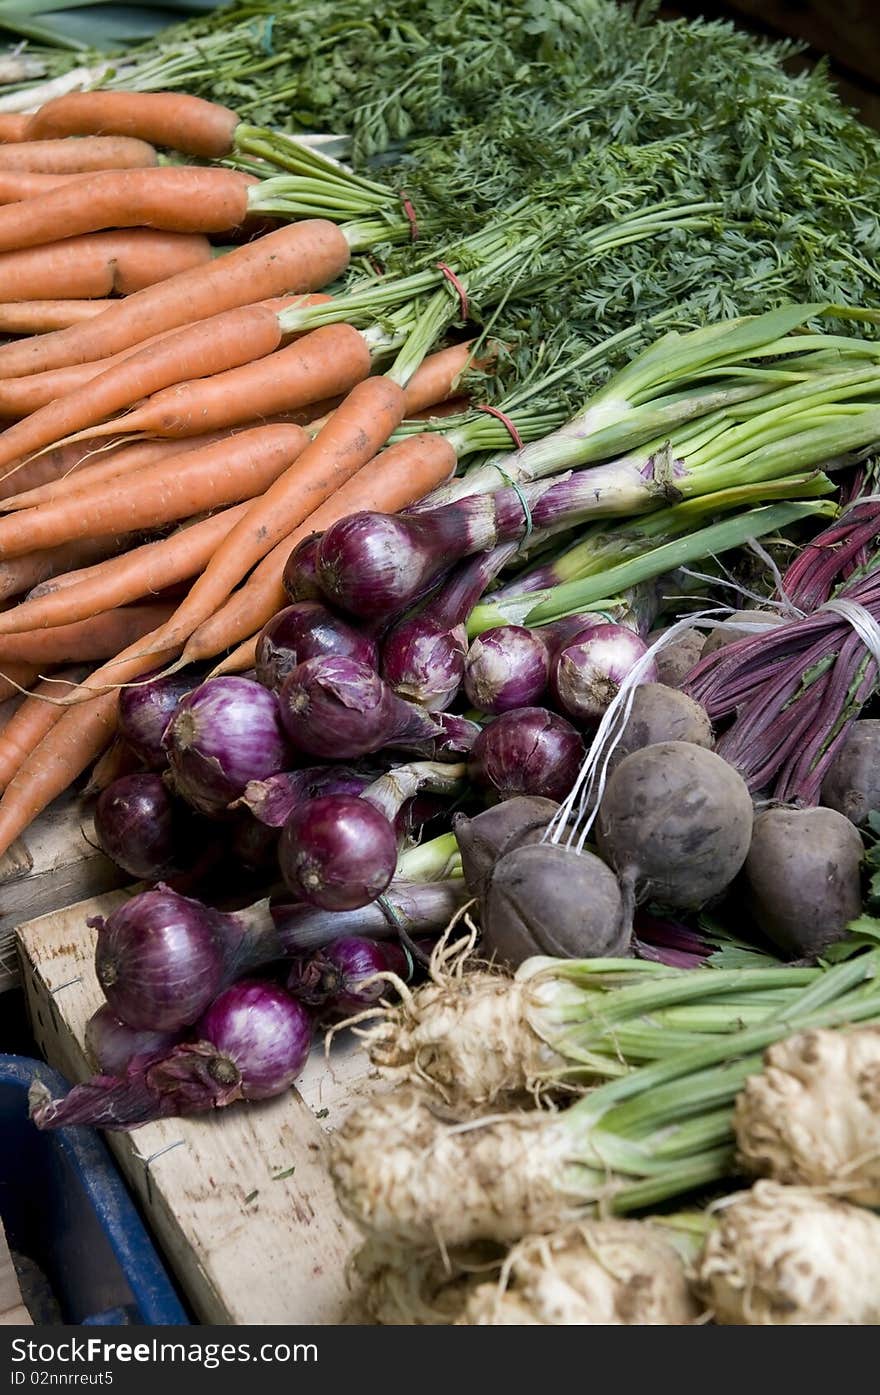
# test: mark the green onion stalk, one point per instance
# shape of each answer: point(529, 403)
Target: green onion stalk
point(405, 1172)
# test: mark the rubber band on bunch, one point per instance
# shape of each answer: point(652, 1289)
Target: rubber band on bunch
point(410, 215)
point(457, 285)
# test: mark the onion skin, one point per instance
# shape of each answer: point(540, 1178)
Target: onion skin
point(224, 734)
point(307, 630)
point(338, 852)
point(334, 976)
point(585, 674)
point(145, 709)
point(264, 1032)
point(506, 668)
point(140, 827)
point(336, 708)
point(529, 751)
point(159, 960)
point(375, 564)
point(300, 578)
point(423, 661)
point(117, 1049)
point(273, 801)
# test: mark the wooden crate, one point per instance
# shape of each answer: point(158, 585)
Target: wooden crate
point(55, 864)
point(13, 1313)
point(241, 1203)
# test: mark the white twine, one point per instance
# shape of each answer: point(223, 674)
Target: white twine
point(595, 764)
point(862, 621)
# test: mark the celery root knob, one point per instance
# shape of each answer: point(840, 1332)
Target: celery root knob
point(469, 1039)
point(591, 1273)
point(783, 1256)
point(405, 1287)
point(403, 1171)
point(813, 1115)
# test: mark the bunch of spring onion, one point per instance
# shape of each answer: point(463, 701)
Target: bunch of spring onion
point(405, 1172)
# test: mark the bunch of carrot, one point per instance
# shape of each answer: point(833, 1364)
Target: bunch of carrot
point(128, 541)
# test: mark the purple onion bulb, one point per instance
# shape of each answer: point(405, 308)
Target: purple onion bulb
point(139, 826)
point(306, 630)
point(261, 1036)
point(300, 578)
point(338, 852)
point(506, 668)
point(145, 709)
point(586, 674)
point(117, 1048)
point(335, 708)
point(224, 734)
point(529, 751)
point(342, 975)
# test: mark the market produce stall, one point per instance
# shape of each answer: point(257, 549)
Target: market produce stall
point(440, 626)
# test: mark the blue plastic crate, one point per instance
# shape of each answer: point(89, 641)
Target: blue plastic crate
point(64, 1205)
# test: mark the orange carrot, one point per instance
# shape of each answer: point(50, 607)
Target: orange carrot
point(13, 126)
point(436, 377)
point(172, 119)
point(15, 677)
point(30, 723)
point(100, 264)
point(51, 465)
point(22, 573)
point(100, 465)
point(120, 580)
point(325, 363)
point(301, 257)
point(17, 185)
point(42, 316)
point(234, 468)
point(401, 475)
point(98, 637)
point(77, 156)
point(223, 341)
point(176, 198)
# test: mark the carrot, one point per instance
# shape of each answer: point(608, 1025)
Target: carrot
point(172, 119)
point(101, 264)
point(223, 341)
point(98, 637)
point(13, 126)
point(401, 475)
point(182, 198)
point(99, 465)
point(22, 573)
point(234, 468)
point(16, 185)
point(42, 316)
point(30, 723)
point(450, 408)
point(301, 257)
point(436, 377)
point(77, 156)
point(119, 580)
point(15, 678)
point(325, 363)
point(51, 465)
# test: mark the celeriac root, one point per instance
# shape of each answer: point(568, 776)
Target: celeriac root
point(593, 1273)
point(419, 1287)
point(466, 1036)
point(813, 1115)
point(783, 1256)
point(405, 1172)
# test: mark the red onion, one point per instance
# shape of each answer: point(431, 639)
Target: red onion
point(225, 733)
point(335, 708)
point(337, 976)
point(140, 827)
point(145, 711)
point(338, 852)
point(375, 564)
point(303, 631)
point(273, 801)
point(117, 1048)
point(300, 578)
point(423, 660)
point(586, 674)
point(530, 751)
point(161, 957)
point(251, 1044)
point(423, 908)
point(506, 668)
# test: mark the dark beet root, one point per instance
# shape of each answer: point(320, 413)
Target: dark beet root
point(740, 625)
point(675, 662)
point(546, 899)
point(487, 837)
point(802, 876)
point(675, 820)
point(660, 713)
point(852, 784)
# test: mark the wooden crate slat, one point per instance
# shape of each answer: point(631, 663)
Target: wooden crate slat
point(247, 1243)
